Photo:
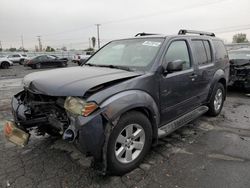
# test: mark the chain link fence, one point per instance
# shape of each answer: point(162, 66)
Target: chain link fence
point(67, 54)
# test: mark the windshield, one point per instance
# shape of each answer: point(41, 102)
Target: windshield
point(239, 55)
point(135, 54)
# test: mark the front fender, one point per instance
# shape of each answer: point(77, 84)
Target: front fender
point(122, 102)
point(127, 100)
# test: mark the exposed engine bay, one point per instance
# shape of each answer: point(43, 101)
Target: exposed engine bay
point(46, 112)
point(240, 73)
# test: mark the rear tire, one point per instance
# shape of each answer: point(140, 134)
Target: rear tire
point(128, 143)
point(21, 62)
point(5, 65)
point(63, 64)
point(217, 100)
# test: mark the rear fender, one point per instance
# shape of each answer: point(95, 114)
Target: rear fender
point(219, 76)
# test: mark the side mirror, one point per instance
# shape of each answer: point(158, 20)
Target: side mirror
point(173, 66)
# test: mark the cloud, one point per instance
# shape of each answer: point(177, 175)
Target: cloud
point(72, 22)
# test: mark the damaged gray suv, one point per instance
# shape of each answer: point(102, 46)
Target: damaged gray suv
point(125, 97)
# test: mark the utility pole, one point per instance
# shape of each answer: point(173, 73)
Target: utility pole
point(40, 43)
point(89, 42)
point(98, 36)
point(22, 42)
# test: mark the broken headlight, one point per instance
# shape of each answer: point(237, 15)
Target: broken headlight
point(78, 106)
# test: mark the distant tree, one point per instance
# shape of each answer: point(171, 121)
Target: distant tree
point(12, 49)
point(240, 38)
point(93, 39)
point(89, 50)
point(1, 49)
point(64, 48)
point(49, 49)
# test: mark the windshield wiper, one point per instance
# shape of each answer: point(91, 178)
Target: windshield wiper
point(111, 66)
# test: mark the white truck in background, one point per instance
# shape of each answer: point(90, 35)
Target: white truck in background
point(18, 58)
point(81, 58)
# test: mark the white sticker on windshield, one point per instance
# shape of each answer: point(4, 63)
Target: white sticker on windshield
point(151, 43)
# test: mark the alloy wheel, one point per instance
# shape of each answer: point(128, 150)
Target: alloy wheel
point(129, 143)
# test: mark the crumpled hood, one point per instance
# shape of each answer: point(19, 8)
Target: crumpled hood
point(74, 81)
point(240, 62)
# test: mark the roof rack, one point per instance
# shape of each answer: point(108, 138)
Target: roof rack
point(144, 34)
point(184, 32)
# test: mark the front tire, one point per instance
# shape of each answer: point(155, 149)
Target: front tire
point(5, 65)
point(63, 64)
point(217, 100)
point(129, 142)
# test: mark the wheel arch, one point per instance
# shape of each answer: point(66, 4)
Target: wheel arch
point(133, 100)
point(149, 114)
point(219, 77)
point(4, 62)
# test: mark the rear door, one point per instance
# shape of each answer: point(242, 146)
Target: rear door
point(44, 60)
point(204, 58)
point(178, 89)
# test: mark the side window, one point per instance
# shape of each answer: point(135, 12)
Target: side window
point(208, 50)
point(178, 50)
point(220, 50)
point(16, 55)
point(200, 52)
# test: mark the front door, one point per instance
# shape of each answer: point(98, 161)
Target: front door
point(177, 89)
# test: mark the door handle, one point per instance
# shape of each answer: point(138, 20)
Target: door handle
point(193, 76)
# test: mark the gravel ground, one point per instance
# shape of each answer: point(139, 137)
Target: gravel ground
point(209, 152)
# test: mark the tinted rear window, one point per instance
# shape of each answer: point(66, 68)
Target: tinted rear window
point(220, 50)
point(200, 52)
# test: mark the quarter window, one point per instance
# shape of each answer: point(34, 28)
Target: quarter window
point(178, 50)
point(220, 50)
point(200, 52)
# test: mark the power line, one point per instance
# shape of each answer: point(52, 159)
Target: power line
point(68, 31)
point(232, 30)
point(163, 12)
point(138, 17)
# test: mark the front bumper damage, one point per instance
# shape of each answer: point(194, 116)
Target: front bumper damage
point(240, 76)
point(90, 134)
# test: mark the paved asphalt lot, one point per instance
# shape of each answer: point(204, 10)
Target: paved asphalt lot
point(209, 152)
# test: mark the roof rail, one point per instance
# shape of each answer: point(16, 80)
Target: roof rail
point(144, 34)
point(184, 32)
